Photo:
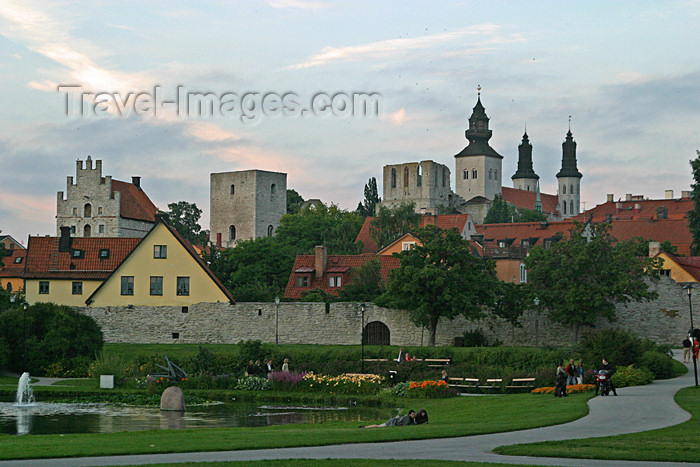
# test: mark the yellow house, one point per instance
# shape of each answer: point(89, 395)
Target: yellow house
point(12, 270)
point(162, 270)
point(680, 268)
point(403, 243)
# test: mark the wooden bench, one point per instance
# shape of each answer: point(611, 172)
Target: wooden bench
point(463, 383)
point(492, 383)
point(437, 362)
point(521, 383)
point(375, 360)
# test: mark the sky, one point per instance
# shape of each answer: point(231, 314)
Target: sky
point(626, 75)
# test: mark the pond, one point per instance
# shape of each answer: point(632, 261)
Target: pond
point(59, 418)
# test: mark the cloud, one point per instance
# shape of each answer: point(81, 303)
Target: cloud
point(297, 4)
point(394, 48)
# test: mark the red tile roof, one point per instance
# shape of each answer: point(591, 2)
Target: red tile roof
point(304, 263)
point(13, 269)
point(639, 209)
point(537, 232)
point(133, 202)
point(44, 261)
point(526, 199)
point(444, 221)
point(691, 264)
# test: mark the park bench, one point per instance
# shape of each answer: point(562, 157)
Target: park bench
point(492, 383)
point(437, 362)
point(463, 383)
point(375, 360)
point(521, 383)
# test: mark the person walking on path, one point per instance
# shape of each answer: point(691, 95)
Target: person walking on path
point(285, 365)
point(686, 349)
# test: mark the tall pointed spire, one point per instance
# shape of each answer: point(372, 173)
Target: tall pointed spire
point(478, 132)
point(525, 169)
point(538, 199)
point(568, 159)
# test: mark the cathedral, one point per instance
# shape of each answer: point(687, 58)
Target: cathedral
point(478, 179)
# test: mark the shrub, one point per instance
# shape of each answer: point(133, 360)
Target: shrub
point(429, 389)
point(619, 347)
point(631, 376)
point(400, 389)
point(659, 364)
point(252, 383)
point(475, 338)
point(285, 380)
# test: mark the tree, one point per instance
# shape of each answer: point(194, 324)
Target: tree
point(440, 279)
point(391, 223)
point(294, 201)
point(184, 218)
point(578, 280)
point(511, 302)
point(694, 215)
point(368, 207)
point(365, 285)
point(502, 212)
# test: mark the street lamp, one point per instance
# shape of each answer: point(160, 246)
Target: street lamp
point(362, 336)
point(537, 322)
point(689, 288)
point(277, 320)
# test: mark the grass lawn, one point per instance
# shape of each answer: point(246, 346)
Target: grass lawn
point(680, 443)
point(338, 462)
point(457, 416)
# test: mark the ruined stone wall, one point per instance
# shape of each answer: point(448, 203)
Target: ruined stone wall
point(665, 320)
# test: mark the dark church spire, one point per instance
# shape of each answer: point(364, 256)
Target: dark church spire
point(478, 133)
point(568, 159)
point(525, 169)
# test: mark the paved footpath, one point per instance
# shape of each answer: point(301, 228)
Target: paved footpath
point(639, 408)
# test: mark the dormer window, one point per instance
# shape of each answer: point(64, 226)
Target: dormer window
point(18, 260)
point(77, 254)
point(104, 253)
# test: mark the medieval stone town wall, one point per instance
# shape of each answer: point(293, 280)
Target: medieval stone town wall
point(665, 320)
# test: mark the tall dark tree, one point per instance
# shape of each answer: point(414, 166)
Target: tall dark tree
point(694, 215)
point(502, 212)
point(511, 302)
point(391, 223)
point(369, 206)
point(294, 201)
point(579, 280)
point(184, 217)
point(440, 279)
point(365, 285)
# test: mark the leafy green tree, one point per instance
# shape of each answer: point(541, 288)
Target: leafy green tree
point(502, 212)
point(184, 217)
point(48, 334)
point(511, 302)
point(368, 207)
point(641, 246)
point(294, 201)
point(578, 280)
point(694, 215)
point(365, 285)
point(440, 279)
point(391, 223)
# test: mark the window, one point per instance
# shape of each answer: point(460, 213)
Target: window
point(302, 281)
point(176, 335)
point(87, 231)
point(465, 175)
point(405, 246)
point(525, 243)
point(270, 229)
point(419, 176)
point(156, 285)
point(571, 207)
point(444, 176)
point(185, 309)
point(523, 273)
point(77, 254)
point(233, 189)
point(474, 174)
point(43, 287)
point(104, 253)
point(335, 281)
point(490, 174)
point(563, 203)
point(393, 177)
point(75, 211)
point(87, 210)
point(183, 285)
point(232, 232)
point(18, 260)
point(563, 189)
point(273, 189)
point(501, 244)
point(72, 230)
point(101, 228)
point(405, 177)
point(571, 189)
point(99, 210)
point(160, 251)
point(8, 287)
point(77, 288)
point(127, 285)
point(495, 174)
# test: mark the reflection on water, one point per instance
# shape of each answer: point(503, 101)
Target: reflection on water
point(56, 418)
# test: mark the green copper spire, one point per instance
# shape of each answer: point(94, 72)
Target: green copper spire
point(538, 200)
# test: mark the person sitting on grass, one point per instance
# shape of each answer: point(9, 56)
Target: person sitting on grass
point(411, 418)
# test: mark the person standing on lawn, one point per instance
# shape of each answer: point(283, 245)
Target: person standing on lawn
point(571, 373)
point(560, 388)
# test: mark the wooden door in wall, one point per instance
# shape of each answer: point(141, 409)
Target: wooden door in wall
point(377, 333)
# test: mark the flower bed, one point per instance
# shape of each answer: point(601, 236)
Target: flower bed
point(343, 384)
point(573, 389)
point(429, 389)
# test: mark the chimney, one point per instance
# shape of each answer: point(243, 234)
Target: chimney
point(628, 197)
point(64, 242)
point(654, 249)
point(669, 194)
point(611, 197)
point(136, 181)
point(685, 194)
point(321, 258)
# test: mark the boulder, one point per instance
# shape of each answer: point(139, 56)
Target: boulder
point(172, 399)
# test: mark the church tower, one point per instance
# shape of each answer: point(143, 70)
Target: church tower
point(525, 177)
point(478, 166)
point(569, 179)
